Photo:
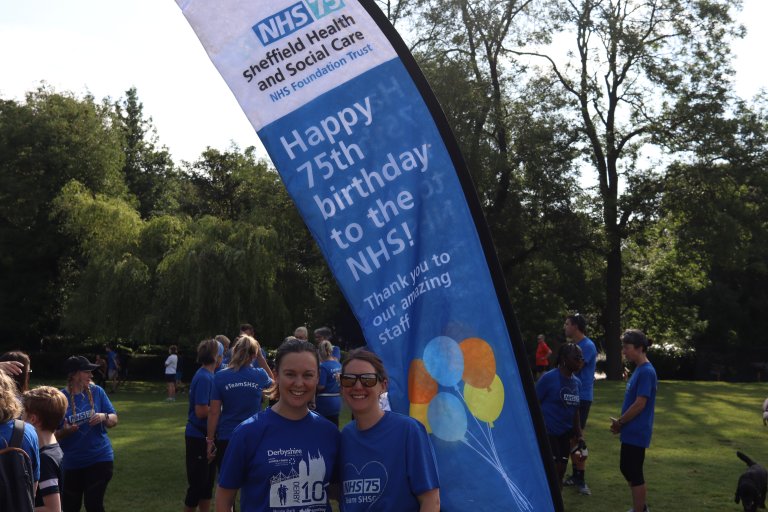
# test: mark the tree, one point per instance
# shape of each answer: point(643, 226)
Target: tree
point(641, 70)
point(149, 171)
point(46, 141)
point(520, 152)
point(718, 205)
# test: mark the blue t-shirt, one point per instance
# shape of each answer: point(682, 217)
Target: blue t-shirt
point(88, 444)
point(328, 400)
point(643, 382)
point(387, 466)
point(111, 360)
point(587, 373)
point(281, 465)
point(28, 443)
point(559, 398)
point(240, 395)
point(199, 394)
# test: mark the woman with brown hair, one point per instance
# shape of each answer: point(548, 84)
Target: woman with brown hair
point(88, 457)
point(396, 445)
point(284, 456)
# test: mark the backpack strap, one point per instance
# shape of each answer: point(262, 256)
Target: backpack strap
point(18, 434)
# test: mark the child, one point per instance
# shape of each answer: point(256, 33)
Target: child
point(636, 421)
point(44, 408)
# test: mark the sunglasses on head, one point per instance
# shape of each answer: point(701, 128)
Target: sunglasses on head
point(366, 379)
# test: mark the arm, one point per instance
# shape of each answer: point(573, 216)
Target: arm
point(577, 425)
point(201, 411)
point(631, 413)
point(109, 419)
point(225, 499)
point(66, 431)
point(51, 503)
point(429, 501)
point(263, 363)
point(214, 413)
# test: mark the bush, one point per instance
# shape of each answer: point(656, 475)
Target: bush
point(673, 362)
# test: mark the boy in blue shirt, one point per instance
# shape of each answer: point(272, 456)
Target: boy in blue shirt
point(636, 421)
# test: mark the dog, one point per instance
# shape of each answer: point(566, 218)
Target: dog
point(753, 484)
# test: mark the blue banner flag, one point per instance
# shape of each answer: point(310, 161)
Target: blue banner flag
point(366, 154)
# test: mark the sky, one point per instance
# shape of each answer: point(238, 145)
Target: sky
point(105, 47)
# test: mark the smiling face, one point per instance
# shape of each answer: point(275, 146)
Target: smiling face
point(297, 380)
point(359, 398)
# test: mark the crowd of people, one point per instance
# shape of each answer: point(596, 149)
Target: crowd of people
point(291, 454)
point(62, 438)
point(566, 393)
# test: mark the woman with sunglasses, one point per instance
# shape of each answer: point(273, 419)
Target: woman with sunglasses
point(558, 392)
point(387, 459)
point(284, 456)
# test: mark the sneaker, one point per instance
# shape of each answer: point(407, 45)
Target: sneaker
point(570, 481)
point(583, 489)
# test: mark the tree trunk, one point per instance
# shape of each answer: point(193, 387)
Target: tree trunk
point(612, 313)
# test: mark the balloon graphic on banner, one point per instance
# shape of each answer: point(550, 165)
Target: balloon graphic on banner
point(444, 413)
point(419, 413)
point(479, 362)
point(485, 404)
point(444, 360)
point(447, 417)
point(421, 386)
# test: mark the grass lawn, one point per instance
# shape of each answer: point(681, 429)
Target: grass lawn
point(691, 465)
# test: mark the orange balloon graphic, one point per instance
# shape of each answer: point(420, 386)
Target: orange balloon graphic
point(419, 412)
point(421, 386)
point(479, 362)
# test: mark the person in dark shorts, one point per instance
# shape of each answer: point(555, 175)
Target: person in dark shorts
point(558, 392)
point(576, 331)
point(635, 424)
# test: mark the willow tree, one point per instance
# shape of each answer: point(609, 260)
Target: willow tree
point(638, 71)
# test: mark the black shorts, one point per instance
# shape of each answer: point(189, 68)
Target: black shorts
point(170, 377)
point(584, 407)
point(631, 464)
point(200, 473)
point(560, 446)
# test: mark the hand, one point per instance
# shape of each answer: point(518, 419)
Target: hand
point(68, 429)
point(211, 451)
point(615, 426)
point(12, 367)
point(99, 417)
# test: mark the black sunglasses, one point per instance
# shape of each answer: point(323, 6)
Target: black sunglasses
point(366, 379)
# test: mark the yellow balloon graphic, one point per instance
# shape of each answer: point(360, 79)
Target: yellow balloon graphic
point(419, 413)
point(485, 403)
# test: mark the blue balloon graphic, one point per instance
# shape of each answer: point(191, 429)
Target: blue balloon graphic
point(444, 360)
point(447, 417)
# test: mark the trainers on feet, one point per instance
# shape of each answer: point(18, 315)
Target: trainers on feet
point(583, 489)
point(569, 482)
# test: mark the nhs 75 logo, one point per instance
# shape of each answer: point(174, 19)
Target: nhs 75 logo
point(292, 18)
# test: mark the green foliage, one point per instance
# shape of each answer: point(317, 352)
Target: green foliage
point(45, 142)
